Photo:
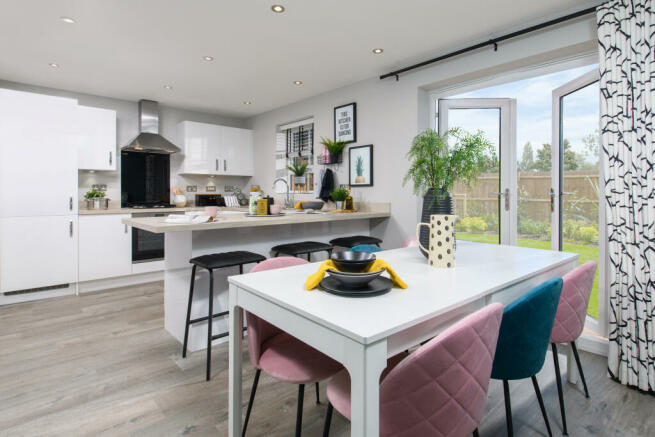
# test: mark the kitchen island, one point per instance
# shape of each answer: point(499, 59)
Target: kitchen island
point(231, 231)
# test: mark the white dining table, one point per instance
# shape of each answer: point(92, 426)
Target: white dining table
point(361, 333)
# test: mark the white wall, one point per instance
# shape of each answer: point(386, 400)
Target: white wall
point(127, 124)
point(390, 113)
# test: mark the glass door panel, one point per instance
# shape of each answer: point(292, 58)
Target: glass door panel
point(487, 209)
point(576, 177)
point(477, 207)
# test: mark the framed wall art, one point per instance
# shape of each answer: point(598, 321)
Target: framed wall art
point(360, 166)
point(345, 123)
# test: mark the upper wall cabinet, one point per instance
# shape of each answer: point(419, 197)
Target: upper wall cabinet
point(215, 150)
point(97, 138)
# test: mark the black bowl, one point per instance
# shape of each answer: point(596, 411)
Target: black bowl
point(353, 262)
point(354, 280)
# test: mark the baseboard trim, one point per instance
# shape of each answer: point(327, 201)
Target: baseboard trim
point(593, 344)
point(121, 281)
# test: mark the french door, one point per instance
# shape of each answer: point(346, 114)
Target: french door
point(578, 218)
point(489, 205)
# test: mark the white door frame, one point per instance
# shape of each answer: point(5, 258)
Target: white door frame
point(598, 326)
point(507, 158)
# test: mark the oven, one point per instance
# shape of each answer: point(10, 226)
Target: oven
point(147, 246)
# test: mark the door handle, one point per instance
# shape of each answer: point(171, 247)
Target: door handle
point(503, 194)
point(216, 164)
point(551, 193)
point(70, 203)
point(566, 193)
point(126, 229)
point(225, 165)
point(110, 158)
point(70, 228)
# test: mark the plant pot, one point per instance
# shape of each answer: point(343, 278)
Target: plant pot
point(340, 204)
point(434, 202)
point(97, 203)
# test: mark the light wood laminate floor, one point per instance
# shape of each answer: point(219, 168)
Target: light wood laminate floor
point(101, 364)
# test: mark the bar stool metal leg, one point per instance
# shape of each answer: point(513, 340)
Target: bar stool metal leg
point(541, 404)
point(577, 361)
point(210, 321)
point(508, 409)
point(188, 312)
point(318, 399)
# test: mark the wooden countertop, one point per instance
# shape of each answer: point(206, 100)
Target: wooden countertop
point(238, 219)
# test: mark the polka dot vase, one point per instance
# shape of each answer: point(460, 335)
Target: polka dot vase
point(441, 252)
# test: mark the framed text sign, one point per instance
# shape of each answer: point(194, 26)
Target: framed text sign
point(345, 123)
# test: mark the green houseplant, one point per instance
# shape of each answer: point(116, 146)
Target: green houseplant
point(95, 199)
point(298, 168)
point(438, 161)
point(334, 148)
point(339, 196)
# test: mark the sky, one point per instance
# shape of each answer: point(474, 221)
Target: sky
point(534, 106)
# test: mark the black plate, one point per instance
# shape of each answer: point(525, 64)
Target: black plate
point(376, 287)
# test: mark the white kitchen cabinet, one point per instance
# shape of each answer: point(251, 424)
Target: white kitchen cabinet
point(200, 143)
point(97, 138)
point(37, 252)
point(237, 151)
point(38, 155)
point(215, 150)
point(105, 247)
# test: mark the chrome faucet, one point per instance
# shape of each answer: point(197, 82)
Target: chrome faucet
point(288, 202)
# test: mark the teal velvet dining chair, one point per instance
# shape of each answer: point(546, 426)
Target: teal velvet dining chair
point(369, 248)
point(524, 339)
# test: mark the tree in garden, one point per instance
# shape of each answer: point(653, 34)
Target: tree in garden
point(571, 161)
point(527, 158)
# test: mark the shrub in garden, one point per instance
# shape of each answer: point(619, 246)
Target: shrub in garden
point(587, 234)
point(472, 224)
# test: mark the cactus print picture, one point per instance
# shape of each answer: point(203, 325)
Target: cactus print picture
point(361, 166)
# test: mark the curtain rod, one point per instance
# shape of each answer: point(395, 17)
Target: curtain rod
point(493, 41)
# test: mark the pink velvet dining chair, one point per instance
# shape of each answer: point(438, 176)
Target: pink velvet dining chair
point(438, 390)
point(410, 241)
point(570, 321)
point(283, 356)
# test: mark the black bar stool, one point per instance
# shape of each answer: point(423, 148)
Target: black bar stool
point(355, 240)
point(304, 247)
point(210, 263)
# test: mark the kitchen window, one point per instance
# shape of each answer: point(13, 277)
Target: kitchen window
point(295, 147)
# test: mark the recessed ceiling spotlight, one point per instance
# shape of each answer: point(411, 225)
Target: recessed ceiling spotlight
point(247, 102)
point(168, 87)
point(54, 65)
point(208, 58)
point(68, 20)
point(278, 9)
point(297, 82)
point(378, 51)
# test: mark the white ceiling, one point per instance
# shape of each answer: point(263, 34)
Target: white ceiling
point(130, 49)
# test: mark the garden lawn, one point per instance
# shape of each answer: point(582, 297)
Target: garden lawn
point(586, 253)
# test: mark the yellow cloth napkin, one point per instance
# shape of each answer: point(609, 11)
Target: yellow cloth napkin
point(379, 264)
point(298, 205)
point(315, 278)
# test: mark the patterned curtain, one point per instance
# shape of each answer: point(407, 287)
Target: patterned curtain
point(626, 34)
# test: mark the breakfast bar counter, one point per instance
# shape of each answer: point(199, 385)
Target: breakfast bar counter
point(234, 231)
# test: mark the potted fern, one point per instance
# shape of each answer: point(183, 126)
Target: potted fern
point(298, 169)
point(435, 166)
point(334, 149)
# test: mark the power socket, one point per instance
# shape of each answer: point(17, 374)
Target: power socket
point(191, 188)
point(210, 188)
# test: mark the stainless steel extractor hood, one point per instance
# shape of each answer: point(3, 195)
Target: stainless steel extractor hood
point(149, 140)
